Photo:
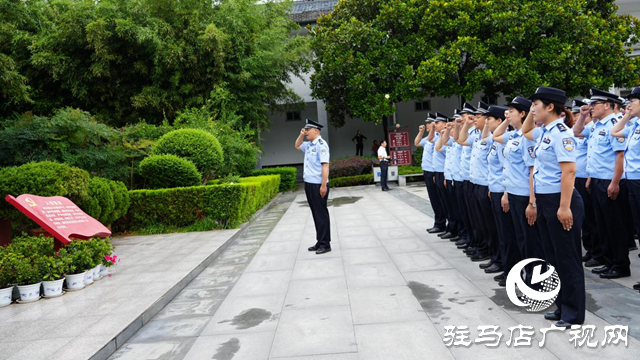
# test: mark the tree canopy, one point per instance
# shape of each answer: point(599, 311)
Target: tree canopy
point(411, 49)
point(126, 60)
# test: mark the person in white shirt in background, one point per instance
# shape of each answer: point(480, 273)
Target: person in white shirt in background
point(384, 165)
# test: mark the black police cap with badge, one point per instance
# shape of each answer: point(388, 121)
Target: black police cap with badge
point(468, 108)
point(441, 117)
point(431, 118)
point(456, 114)
point(520, 103)
point(496, 111)
point(599, 95)
point(635, 94)
point(576, 105)
point(482, 108)
point(550, 94)
point(313, 125)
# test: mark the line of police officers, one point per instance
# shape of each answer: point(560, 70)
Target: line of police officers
point(537, 179)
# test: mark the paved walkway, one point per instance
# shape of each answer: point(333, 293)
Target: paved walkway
point(386, 291)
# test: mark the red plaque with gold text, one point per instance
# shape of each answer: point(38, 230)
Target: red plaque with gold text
point(59, 216)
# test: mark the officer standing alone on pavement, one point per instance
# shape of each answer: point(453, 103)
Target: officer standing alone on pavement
point(316, 182)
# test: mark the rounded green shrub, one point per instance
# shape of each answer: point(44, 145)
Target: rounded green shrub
point(169, 171)
point(198, 146)
point(44, 178)
point(121, 200)
point(100, 204)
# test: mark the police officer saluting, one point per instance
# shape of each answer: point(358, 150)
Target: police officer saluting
point(316, 182)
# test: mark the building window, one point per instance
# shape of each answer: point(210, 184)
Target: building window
point(423, 105)
point(490, 100)
point(293, 115)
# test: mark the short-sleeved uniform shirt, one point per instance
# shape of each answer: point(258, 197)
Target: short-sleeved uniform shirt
point(439, 156)
point(555, 144)
point(449, 159)
point(479, 170)
point(456, 172)
point(582, 148)
point(316, 153)
point(495, 159)
point(427, 154)
point(465, 156)
point(516, 160)
point(601, 155)
point(632, 151)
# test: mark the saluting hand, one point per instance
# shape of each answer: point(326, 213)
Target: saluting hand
point(421, 127)
point(566, 217)
point(302, 132)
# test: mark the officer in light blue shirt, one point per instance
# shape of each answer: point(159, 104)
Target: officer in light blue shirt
point(316, 182)
point(439, 158)
point(446, 144)
point(457, 187)
point(605, 166)
point(428, 146)
point(559, 205)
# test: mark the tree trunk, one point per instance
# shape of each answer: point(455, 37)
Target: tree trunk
point(385, 126)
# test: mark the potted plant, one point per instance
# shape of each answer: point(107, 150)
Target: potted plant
point(6, 290)
point(26, 273)
point(108, 259)
point(80, 262)
point(53, 273)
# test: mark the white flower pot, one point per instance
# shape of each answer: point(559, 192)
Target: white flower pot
point(29, 293)
point(104, 271)
point(96, 272)
point(88, 277)
point(52, 288)
point(5, 296)
point(75, 281)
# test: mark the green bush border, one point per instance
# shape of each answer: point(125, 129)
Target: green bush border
point(351, 181)
point(288, 176)
point(226, 205)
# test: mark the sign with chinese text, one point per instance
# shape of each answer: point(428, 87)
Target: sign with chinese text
point(59, 216)
point(403, 156)
point(399, 139)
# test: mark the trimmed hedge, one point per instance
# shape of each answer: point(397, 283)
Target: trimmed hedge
point(351, 181)
point(350, 166)
point(198, 146)
point(100, 204)
point(404, 170)
point(168, 171)
point(227, 205)
point(288, 176)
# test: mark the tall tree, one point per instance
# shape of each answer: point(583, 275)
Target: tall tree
point(125, 60)
point(411, 49)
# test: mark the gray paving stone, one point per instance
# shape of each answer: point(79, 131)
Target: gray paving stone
point(342, 356)
point(167, 349)
point(251, 346)
point(384, 305)
point(420, 261)
point(317, 293)
point(356, 231)
point(359, 242)
point(40, 349)
point(365, 256)
point(319, 268)
point(373, 275)
point(170, 328)
point(246, 314)
point(272, 262)
point(407, 340)
point(189, 308)
point(280, 247)
point(311, 332)
point(262, 283)
point(395, 233)
point(412, 244)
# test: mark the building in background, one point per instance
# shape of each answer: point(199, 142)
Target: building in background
point(277, 143)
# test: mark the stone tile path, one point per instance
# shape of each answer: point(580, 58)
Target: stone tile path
point(386, 291)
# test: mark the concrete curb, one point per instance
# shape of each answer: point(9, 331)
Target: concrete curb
point(114, 344)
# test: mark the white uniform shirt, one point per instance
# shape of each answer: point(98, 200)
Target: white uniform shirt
point(382, 152)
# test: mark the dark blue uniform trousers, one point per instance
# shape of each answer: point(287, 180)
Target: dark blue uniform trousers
point(502, 219)
point(477, 234)
point(442, 196)
point(439, 212)
point(563, 250)
point(614, 230)
point(452, 208)
point(464, 224)
point(527, 237)
point(489, 243)
point(320, 213)
point(633, 186)
point(589, 228)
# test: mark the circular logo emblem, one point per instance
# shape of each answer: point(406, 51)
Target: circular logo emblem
point(534, 300)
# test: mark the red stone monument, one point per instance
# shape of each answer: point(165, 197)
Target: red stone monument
point(60, 217)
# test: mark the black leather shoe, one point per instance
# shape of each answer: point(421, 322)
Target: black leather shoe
point(470, 250)
point(454, 239)
point(480, 257)
point(586, 258)
point(313, 248)
point(447, 234)
point(499, 277)
point(562, 324)
point(435, 230)
point(463, 246)
point(592, 263)
point(461, 242)
point(385, 189)
point(636, 286)
point(502, 283)
point(493, 269)
point(552, 316)
point(485, 265)
point(323, 250)
point(614, 274)
point(633, 248)
point(601, 270)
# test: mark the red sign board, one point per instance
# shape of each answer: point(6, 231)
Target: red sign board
point(399, 139)
point(59, 216)
point(403, 156)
